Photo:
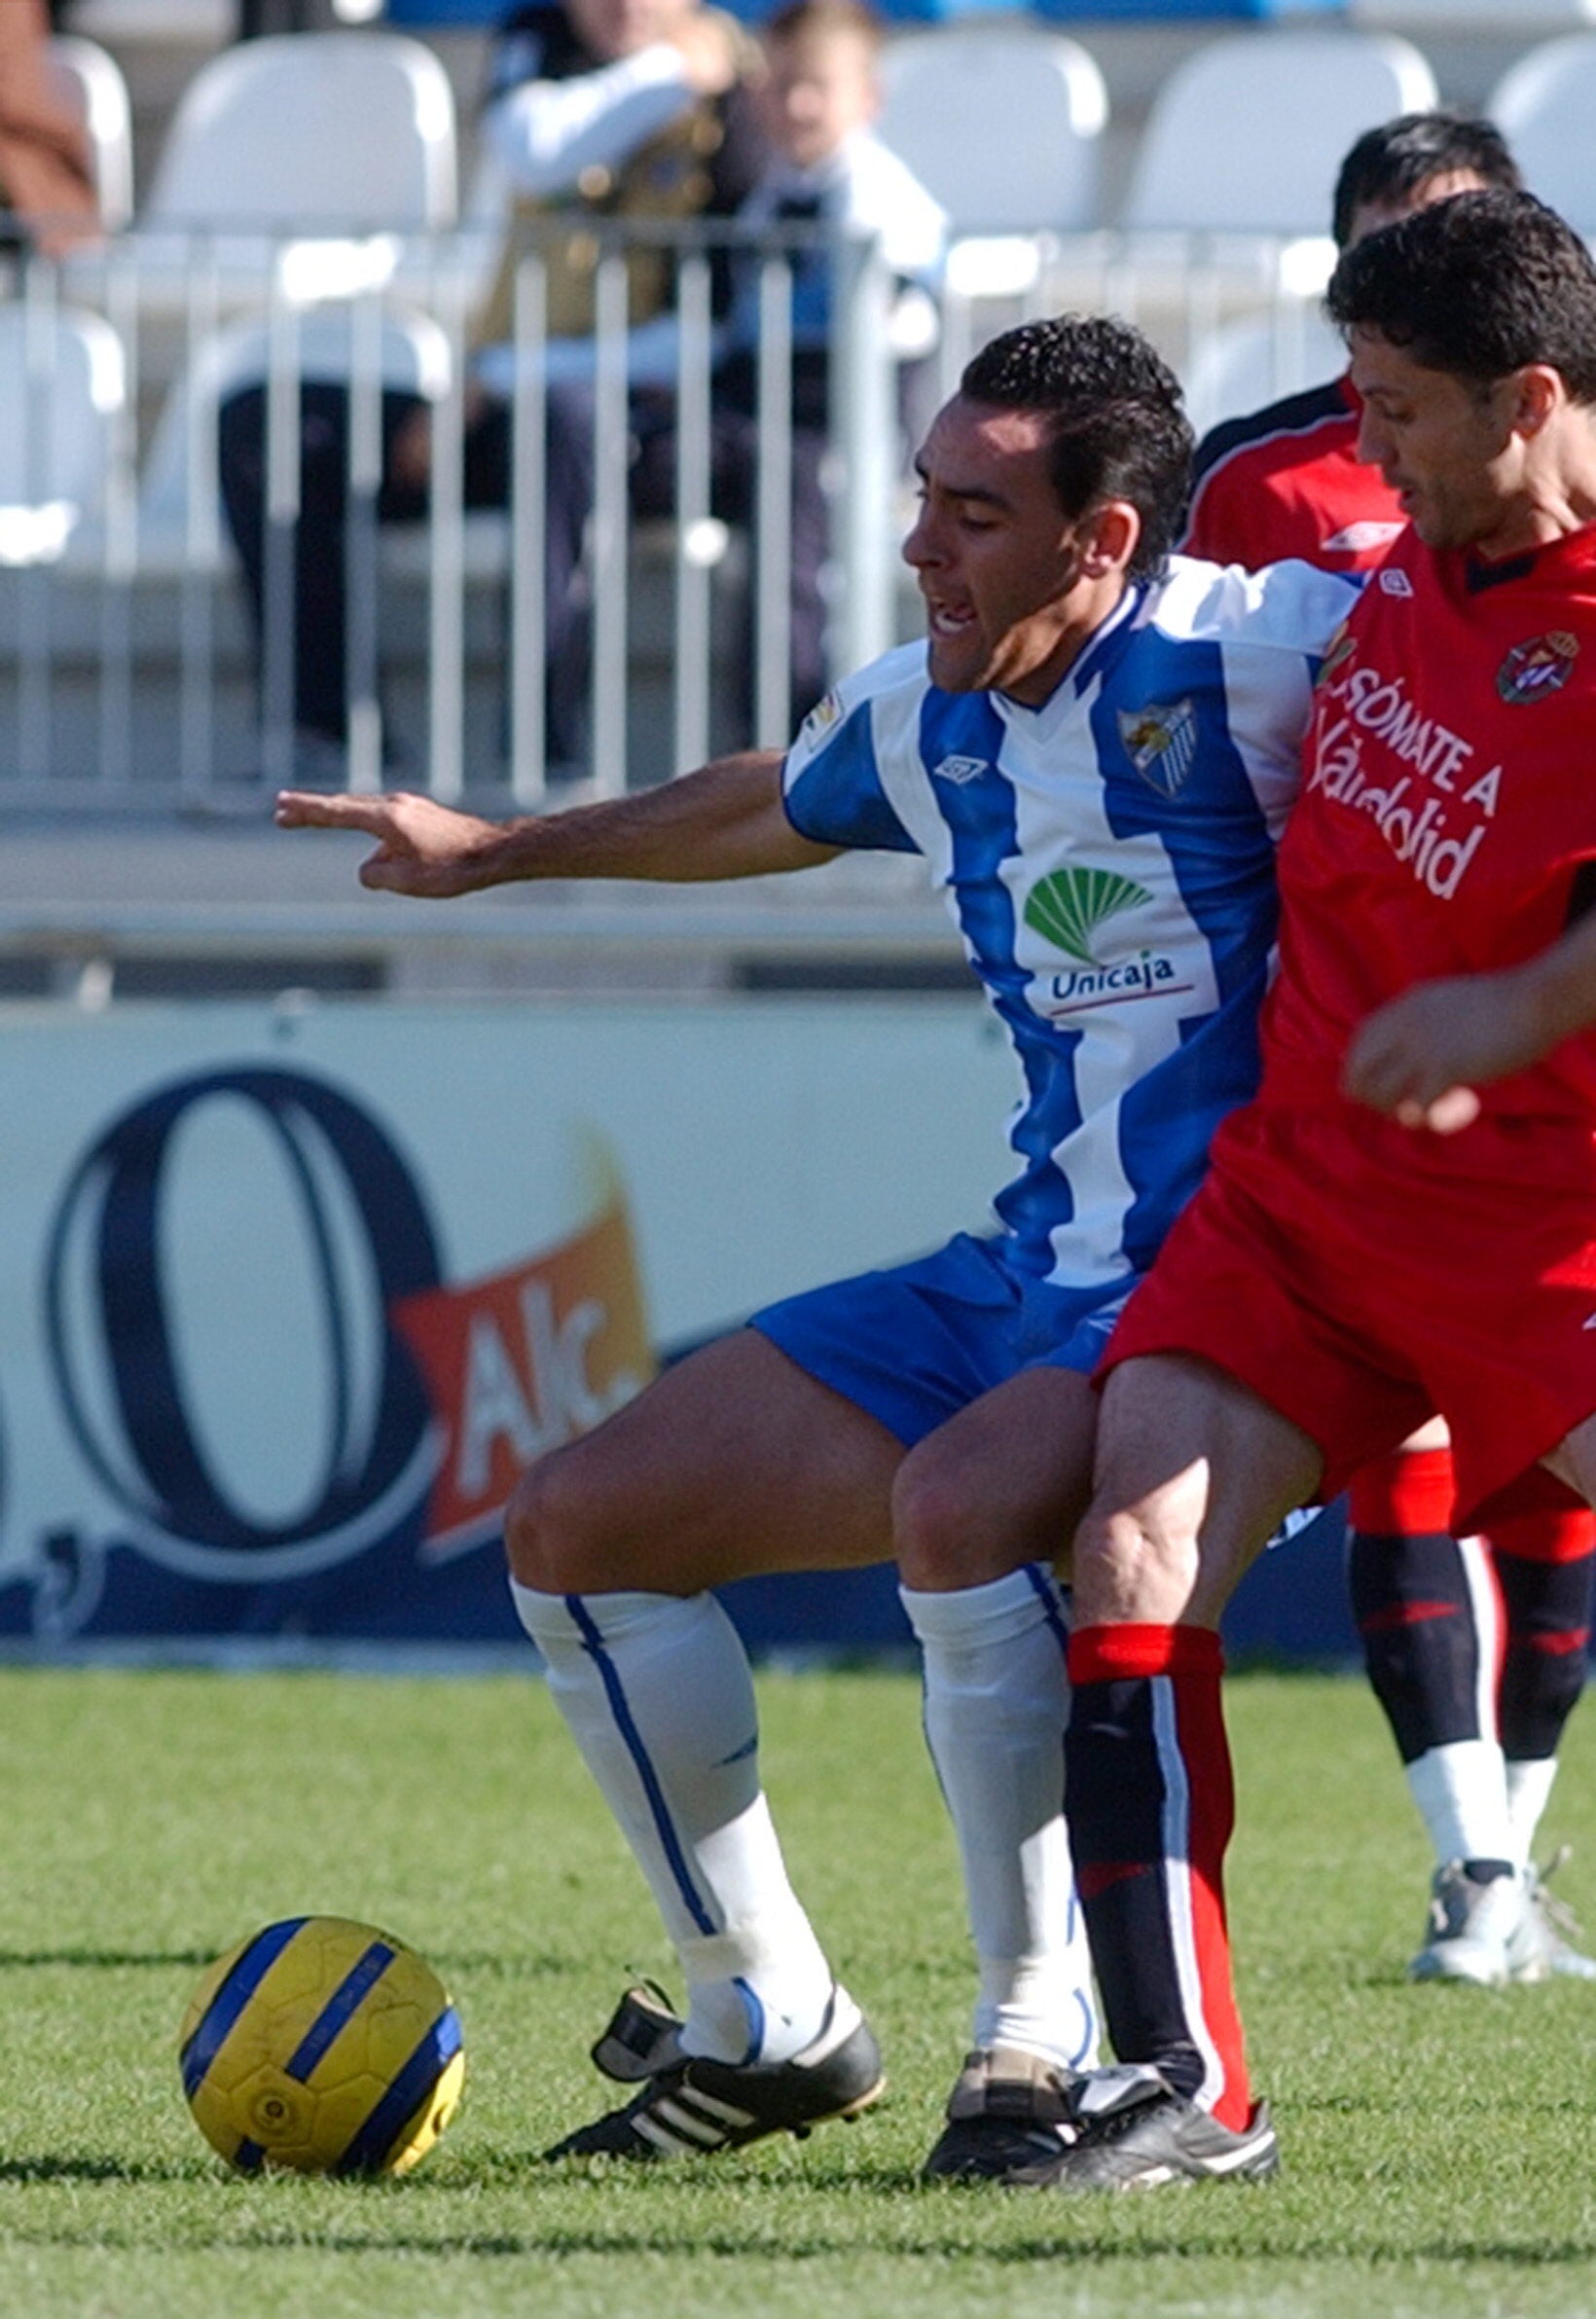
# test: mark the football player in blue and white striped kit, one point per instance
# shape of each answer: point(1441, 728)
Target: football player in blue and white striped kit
point(1095, 751)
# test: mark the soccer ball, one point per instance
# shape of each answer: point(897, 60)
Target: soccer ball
point(323, 2045)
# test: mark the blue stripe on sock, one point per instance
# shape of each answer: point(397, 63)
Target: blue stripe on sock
point(1088, 2022)
point(755, 2011)
point(231, 1998)
point(669, 1842)
point(1047, 1594)
point(372, 2145)
point(1045, 1588)
point(351, 1993)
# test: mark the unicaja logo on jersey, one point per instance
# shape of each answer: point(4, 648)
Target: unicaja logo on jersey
point(1068, 909)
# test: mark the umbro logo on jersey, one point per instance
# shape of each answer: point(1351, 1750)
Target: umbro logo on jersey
point(1590, 1323)
point(1396, 583)
point(1357, 539)
point(959, 770)
point(1161, 743)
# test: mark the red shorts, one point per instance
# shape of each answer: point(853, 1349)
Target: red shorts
point(1359, 1278)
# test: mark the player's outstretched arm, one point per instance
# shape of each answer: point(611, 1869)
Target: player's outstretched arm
point(726, 820)
point(1422, 1057)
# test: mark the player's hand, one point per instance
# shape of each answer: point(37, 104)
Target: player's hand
point(1421, 1058)
point(422, 848)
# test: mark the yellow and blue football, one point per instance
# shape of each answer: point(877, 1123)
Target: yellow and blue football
point(322, 2046)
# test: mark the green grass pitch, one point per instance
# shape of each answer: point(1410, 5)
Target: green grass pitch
point(1439, 2144)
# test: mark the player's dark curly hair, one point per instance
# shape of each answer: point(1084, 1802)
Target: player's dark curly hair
point(1118, 429)
point(1477, 286)
point(1391, 162)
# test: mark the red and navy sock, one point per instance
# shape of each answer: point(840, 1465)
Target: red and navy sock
point(1416, 1596)
point(1544, 1561)
point(1150, 1806)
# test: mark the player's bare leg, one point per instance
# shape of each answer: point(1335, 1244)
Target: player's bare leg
point(1194, 1473)
point(733, 1463)
point(980, 1509)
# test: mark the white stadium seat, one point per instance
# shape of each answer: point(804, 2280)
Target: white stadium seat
point(179, 513)
point(63, 383)
point(312, 132)
point(1247, 135)
point(1542, 106)
point(1041, 106)
point(1034, 167)
point(90, 82)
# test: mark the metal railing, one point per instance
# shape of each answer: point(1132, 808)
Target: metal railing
point(130, 674)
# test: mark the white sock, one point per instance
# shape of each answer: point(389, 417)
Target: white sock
point(1461, 1790)
point(657, 1694)
point(997, 1701)
point(1529, 1788)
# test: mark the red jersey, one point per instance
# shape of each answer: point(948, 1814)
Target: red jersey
point(1286, 482)
point(1448, 810)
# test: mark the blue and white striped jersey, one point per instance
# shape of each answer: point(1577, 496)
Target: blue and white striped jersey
point(1108, 859)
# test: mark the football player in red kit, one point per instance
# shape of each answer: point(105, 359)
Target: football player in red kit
point(1475, 1648)
point(1429, 1093)
point(1287, 480)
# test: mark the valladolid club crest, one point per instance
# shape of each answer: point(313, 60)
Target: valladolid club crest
point(1538, 668)
point(1067, 908)
point(1161, 743)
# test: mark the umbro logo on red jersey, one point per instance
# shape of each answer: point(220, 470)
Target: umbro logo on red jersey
point(1396, 583)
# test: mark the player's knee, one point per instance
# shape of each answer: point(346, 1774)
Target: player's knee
point(1135, 1562)
point(942, 1523)
point(549, 1525)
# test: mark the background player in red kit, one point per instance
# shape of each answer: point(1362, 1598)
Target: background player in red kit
point(1287, 480)
point(1429, 1086)
point(1477, 1648)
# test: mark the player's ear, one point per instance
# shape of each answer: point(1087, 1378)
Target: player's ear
point(1538, 390)
point(1109, 537)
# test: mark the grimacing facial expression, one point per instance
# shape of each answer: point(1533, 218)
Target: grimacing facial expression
point(996, 557)
point(1442, 445)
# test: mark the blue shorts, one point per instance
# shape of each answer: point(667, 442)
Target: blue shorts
point(916, 1345)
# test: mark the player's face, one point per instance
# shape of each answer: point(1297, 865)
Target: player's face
point(1008, 602)
point(1442, 446)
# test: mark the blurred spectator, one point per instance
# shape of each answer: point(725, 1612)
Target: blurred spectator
point(47, 188)
point(599, 109)
point(819, 94)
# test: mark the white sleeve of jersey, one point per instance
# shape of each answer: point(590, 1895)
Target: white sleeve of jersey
point(854, 776)
point(1272, 628)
